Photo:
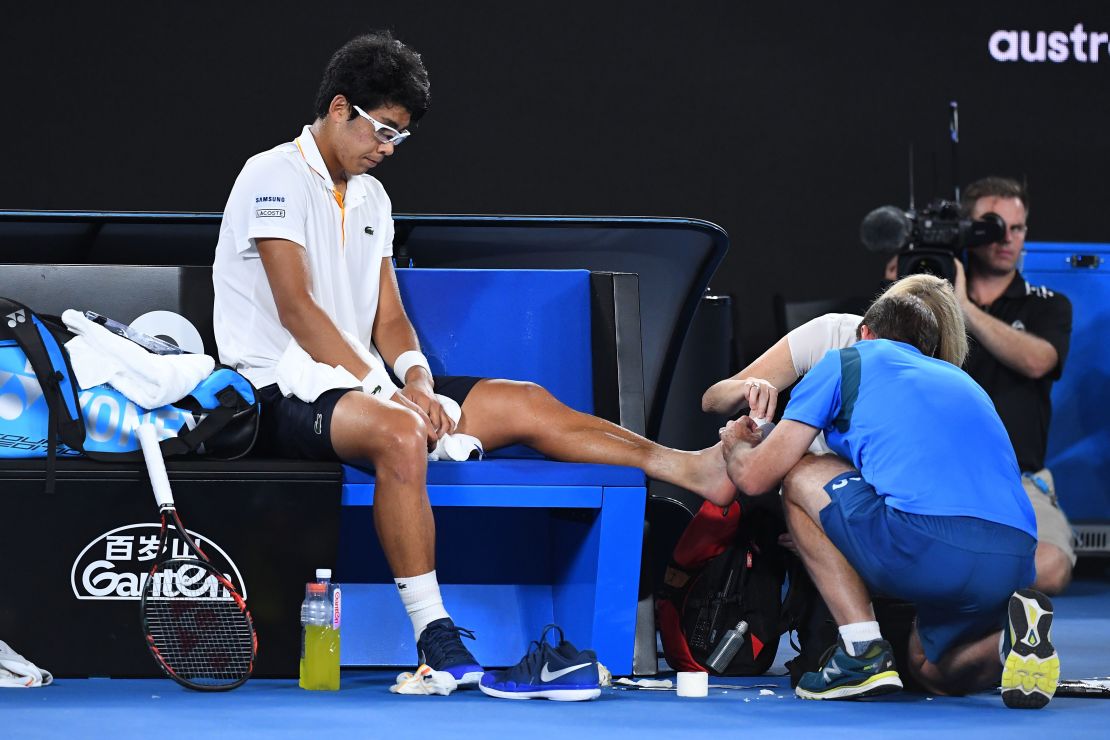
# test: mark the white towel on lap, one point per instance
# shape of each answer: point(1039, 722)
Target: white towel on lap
point(99, 356)
point(300, 376)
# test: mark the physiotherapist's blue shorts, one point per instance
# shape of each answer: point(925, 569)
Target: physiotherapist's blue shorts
point(958, 570)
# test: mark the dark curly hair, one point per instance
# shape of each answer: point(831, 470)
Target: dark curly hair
point(373, 70)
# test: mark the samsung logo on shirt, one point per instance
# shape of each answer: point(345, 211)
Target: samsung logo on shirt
point(269, 199)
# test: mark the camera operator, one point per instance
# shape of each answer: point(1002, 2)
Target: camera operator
point(1019, 341)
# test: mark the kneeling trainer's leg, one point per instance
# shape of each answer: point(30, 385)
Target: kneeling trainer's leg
point(504, 412)
point(964, 669)
point(804, 496)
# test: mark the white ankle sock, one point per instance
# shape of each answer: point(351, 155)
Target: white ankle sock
point(420, 595)
point(857, 635)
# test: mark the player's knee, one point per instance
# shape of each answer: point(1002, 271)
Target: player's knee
point(531, 396)
point(405, 433)
point(398, 444)
point(519, 404)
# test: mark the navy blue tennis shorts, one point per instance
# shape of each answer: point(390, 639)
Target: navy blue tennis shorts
point(959, 571)
point(290, 427)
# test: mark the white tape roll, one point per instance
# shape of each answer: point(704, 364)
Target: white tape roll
point(167, 324)
point(693, 683)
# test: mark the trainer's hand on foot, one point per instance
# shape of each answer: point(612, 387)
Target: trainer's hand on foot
point(742, 431)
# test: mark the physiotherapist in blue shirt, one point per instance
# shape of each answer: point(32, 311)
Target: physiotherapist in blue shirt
point(921, 501)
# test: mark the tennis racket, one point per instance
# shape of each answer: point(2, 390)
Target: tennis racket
point(1095, 687)
point(195, 622)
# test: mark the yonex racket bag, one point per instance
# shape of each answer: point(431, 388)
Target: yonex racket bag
point(44, 414)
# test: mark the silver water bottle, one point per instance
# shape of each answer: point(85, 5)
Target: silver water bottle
point(727, 648)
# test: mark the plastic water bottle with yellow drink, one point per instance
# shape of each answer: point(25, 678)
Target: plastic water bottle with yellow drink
point(319, 670)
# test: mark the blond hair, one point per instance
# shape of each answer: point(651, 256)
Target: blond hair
point(938, 295)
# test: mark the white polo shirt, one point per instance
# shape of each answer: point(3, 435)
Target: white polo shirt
point(286, 193)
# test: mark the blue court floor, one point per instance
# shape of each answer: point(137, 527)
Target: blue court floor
point(763, 706)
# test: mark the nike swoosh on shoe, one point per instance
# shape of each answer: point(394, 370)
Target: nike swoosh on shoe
point(547, 676)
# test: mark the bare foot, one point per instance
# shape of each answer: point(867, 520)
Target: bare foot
point(706, 476)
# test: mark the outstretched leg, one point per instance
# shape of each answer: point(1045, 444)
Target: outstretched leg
point(505, 412)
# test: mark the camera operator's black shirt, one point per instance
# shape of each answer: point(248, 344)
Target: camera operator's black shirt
point(1024, 403)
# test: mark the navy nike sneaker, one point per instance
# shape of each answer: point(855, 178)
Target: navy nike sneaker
point(1031, 668)
point(440, 646)
point(560, 672)
point(843, 676)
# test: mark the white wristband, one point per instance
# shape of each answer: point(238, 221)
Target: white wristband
point(377, 382)
point(407, 361)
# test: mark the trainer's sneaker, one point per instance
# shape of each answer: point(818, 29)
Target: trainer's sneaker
point(843, 676)
point(440, 646)
point(560, 672)
point(1032, 667)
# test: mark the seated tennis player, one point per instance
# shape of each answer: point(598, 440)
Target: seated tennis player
point(303, 269)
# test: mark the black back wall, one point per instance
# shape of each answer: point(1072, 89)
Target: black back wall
point(783, 122)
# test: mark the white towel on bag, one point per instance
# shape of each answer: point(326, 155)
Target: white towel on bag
point(99, 356)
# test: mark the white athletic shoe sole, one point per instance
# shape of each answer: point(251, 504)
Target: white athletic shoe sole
point(552, 694)
point(877, 685)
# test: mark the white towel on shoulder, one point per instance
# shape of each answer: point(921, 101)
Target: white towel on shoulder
point(300, 376)
point(99, 356)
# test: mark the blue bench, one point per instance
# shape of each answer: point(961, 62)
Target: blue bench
point(126, 264)
point(522, 541)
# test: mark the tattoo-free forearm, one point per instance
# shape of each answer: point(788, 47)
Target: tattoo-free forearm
point(317, 335)
point(775, 366)
point(1020, 351)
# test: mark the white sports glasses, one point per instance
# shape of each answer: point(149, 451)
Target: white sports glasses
point(385, 134)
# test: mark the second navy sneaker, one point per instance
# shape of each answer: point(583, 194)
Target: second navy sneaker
point(559, 672)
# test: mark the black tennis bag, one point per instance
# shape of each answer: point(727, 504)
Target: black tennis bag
point(743, 583)
point(43, 413)
point(707, 594)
